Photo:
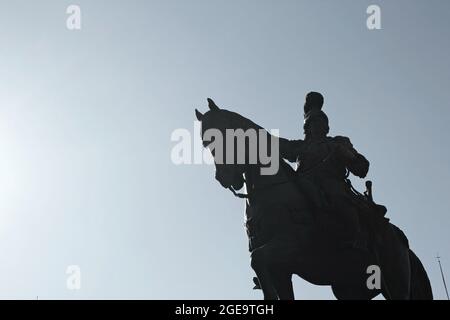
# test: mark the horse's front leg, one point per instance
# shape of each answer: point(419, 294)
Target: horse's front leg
point(271, 264)
point(260, 265)
point(282, 281)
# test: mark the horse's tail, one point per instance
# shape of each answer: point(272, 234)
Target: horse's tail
point(420, 283)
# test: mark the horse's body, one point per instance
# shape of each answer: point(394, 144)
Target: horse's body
point(286, 237)
point(296, 244)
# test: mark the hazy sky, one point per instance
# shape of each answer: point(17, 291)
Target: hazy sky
point(86, 116)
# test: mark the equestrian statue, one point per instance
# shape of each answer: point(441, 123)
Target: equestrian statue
point(311, 221)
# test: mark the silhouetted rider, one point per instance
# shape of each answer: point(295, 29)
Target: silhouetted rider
point(322, 164)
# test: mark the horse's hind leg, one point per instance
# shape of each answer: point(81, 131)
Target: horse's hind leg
point(395, 269)
point(420, 284)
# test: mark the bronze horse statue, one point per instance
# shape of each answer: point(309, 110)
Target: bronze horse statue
point(287, 238)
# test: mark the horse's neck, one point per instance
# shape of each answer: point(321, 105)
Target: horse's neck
point(279, 189)
point(255, 180)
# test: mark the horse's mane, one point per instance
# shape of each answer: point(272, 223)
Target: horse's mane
point(249, 124)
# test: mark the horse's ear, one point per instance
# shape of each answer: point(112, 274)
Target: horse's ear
point(199, 115)
point(212, 105)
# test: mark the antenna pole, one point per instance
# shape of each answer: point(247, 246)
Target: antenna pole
point(442, 274)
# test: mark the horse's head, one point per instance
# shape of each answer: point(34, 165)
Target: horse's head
point(214, 125)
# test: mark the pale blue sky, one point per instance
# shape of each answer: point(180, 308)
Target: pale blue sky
point(86, 118)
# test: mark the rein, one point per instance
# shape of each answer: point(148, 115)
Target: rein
point(239, 195)
point(324, 160)
point(246, 195)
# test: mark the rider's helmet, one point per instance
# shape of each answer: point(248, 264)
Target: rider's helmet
point(313, 112)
